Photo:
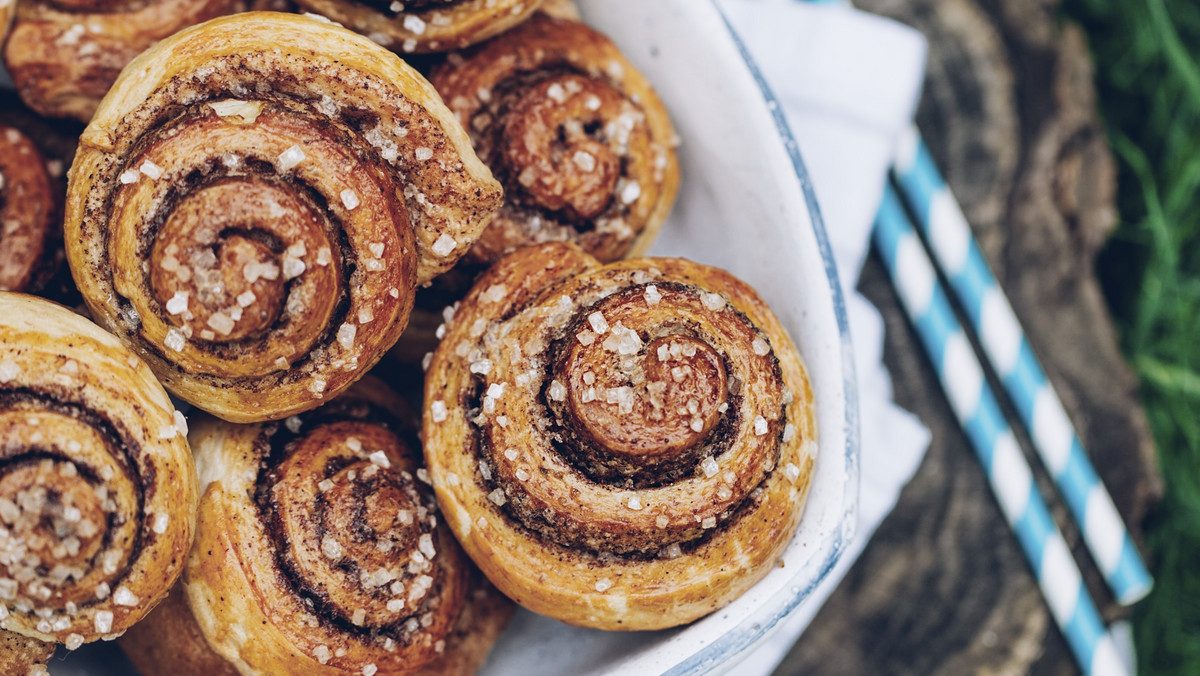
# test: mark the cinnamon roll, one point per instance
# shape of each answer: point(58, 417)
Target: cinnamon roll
point(97, 486)
point(320, 550)
point(255, 202)
point(621, 446)
point(64, 55)
point(30, 213)
point(582, 144)
point(423, 26)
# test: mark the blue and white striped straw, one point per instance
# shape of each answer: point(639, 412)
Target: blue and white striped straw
point(1008, 473)
point(941, 221)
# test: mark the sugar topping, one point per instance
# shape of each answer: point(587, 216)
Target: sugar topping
point(712, 301)
point(631, 192)
point(414, 24)
point(123, 597)
point(323, 654)
point(584, 160)
point(151, 170)
point(789, 432)
point(623, 341)
point(792, 472)
point(331, 548)
point(9, 370)
point(760, 426)
point(289, 158)
point(495, 293)
point(248, 111)
point(437, 411)
point(346, 334)
point(444, 245)
point(760, 347)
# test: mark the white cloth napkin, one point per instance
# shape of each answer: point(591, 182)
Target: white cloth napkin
point(848, 82)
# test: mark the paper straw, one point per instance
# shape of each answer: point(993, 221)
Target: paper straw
point(940, 219)
point(1007, 471)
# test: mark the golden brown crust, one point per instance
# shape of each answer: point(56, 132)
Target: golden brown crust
point(98, 490)
point(64, 55)
point(260, 245)
point(23, 655)
point(8, 9)
point(578, 137)
point(319, 549)
point(423, 26)
point(622, 446)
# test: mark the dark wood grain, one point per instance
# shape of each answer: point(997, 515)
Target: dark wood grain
point(1009, 113)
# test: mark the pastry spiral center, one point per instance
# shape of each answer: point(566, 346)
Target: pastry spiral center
point(357, 529)
point(220, 270)
point(553, 144)
point(658, 402)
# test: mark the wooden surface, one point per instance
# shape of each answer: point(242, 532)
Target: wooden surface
point(943, 588)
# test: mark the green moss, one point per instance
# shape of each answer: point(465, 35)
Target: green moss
point(1147, 56)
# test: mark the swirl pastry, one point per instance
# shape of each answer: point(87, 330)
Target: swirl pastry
point(97, 487)
point(621, 446)
point(319, 550)
point(255, 202)
point(30, 214)
point(581, 142)
point(63, 55)
point(423, 26)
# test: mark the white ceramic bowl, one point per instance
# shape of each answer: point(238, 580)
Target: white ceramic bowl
point(745, 205)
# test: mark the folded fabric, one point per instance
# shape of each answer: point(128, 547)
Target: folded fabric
point(848, 82)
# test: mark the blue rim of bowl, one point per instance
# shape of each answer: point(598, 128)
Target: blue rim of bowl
point(739, 640)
